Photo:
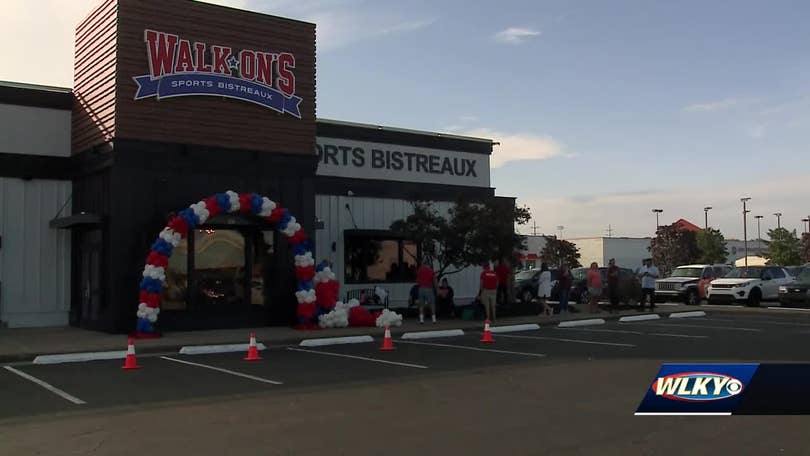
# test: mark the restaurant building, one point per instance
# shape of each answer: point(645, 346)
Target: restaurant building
point(174, 101)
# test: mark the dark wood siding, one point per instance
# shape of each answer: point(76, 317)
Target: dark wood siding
point(93, 120)
point(206, 120)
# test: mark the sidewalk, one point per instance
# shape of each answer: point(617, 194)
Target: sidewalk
point(26, 344)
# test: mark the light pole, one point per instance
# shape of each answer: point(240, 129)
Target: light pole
point(657, 222)
point(745, 228)
point(560, 228)
point(778, 219)
point(806, 220)
point(706, 214)
point(759, 235)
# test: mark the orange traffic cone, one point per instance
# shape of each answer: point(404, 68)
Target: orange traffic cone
point(253, 350)
point(487, 334)
point(130, 362)
point(388, 344)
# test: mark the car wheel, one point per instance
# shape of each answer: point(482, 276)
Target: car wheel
point(692, 298)
point(755, 297)
point(526, 297)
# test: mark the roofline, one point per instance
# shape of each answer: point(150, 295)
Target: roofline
point(25, 85)
point(403, 130)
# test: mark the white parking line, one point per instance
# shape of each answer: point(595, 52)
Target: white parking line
point(671, 325)
point(224, 371)
point(577, 341)
point(764, 322)
point(47, 386)
point(637, 333)
point(363, 358)
point(464, 347)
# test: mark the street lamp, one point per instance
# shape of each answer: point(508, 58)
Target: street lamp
point(706, 214)
point(807, 220)
point(745, 228)
point(778, 219)
point(759, 236)
point(560, 228)
point(657, 223)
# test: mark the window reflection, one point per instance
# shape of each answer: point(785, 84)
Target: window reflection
point(219, 263)
point(174, 290)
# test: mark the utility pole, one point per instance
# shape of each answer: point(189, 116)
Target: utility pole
point(657, 221)
point(610, 231)
point(706, 215)
point(745, 228)
point(534, 227)
point(560, 228)
point(778, 219)
point(759, 234)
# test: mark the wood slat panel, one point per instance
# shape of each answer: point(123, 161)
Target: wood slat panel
point(93, 119)
point(205, 120)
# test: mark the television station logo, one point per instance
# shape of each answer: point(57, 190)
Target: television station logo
point(179, 67)
point(697, 386)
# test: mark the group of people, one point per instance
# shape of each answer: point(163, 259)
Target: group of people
point(494, 283)
point(428, 294)
point(646, 273)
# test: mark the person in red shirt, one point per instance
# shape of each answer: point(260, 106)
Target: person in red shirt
point(426, 280)
point(489, 290)
point(503, 271)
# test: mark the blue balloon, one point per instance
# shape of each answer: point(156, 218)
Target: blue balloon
point(305, 286)
point(285, 219)
point(151, 285)
point(162, 247)
point(144, 326)
point(300, 249)
point(319, 267)
point(190, 217)
point(224, 202)
point(256, 202)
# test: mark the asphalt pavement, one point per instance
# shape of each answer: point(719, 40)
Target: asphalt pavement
point(60, 393)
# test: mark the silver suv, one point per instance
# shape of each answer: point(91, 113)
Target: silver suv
point(689, 283)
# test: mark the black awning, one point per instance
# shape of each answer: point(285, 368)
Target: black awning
point(75, 221)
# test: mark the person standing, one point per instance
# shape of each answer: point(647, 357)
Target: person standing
point(544, 290)
point(564, 283)
point(647, 273)
point(613, 274)
point(489, 290)
point(445, 298)
point(503, 271)
point(594, 287)
point(426, 279)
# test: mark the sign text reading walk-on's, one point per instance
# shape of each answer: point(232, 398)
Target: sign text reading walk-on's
point(179, 68)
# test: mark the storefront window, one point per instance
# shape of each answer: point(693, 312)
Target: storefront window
point(219, 263)
point(375, 259)
point(260, 257)
point(176, 286)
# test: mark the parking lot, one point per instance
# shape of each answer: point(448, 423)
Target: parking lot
point(27, 389)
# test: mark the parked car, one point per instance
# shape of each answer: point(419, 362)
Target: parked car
point(796, 293)
point(795, 271)
point(629, 286)
point(749, 285)
point(526, 284)
point(688, 283)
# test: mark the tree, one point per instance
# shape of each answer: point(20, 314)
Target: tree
point(805, 248)
point(711, 246)
point(470, 234)
point(783, 248)
point(673, 247)
point(558, 252)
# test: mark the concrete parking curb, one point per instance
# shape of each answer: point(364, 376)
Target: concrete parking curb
point(699, 313)
point(588, 322)
point(209, 349)
point(432, 334)
point(79, 357)
point(513, 328)
point(632, 318)
point(336, 341)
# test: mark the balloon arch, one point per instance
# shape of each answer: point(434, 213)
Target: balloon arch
point(154, 273)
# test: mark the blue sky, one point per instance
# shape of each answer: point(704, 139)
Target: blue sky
point(604, 109)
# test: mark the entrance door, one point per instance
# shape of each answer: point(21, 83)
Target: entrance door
point(86, 308)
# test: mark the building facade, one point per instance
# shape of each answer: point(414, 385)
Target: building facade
point(174, 101)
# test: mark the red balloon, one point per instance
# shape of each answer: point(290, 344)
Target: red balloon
point(212, 206)
point(157, 259)
point(244, 202)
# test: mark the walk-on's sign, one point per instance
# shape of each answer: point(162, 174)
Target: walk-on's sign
point(180, 68)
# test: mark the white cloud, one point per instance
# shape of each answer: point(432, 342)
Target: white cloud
point(515, 35)
point(517, 146)
point(720, 105)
